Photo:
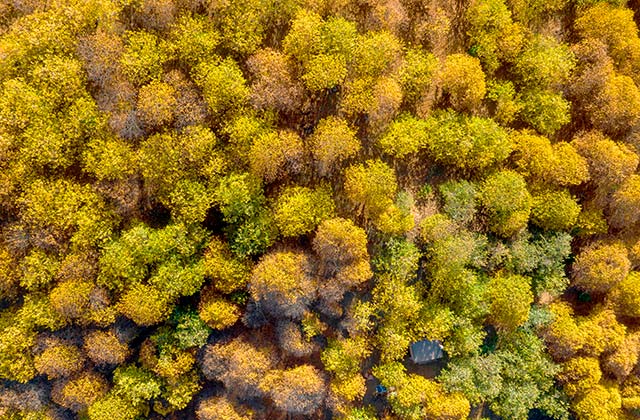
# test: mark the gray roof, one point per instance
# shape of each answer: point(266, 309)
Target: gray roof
point(426, 351)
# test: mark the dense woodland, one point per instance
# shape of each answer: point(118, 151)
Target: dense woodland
point(248, 209)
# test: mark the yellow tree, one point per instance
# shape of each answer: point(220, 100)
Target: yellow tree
point(332, 142)
point(282, 284)
point(463, 80)
point(600, 266)
point(297, 391)
point(509, 298)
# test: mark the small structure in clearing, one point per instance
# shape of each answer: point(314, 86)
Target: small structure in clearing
point(425, 351)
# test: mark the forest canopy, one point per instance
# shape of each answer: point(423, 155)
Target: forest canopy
point(253, 209)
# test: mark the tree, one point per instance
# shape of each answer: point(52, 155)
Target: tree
point(220, 408)
point(599, 402)
point(324, 71)
point(506, 201)
point(112, 407)
point(555, 210)
point(502, 94)
point(626, 297)
point(143, 57)
point(218, 312)
point(223, 85)
point(545, 110)
point(463, 80)
point(59, 360)
point(299, 390)
point(104, 347)
point(144, 305)
point(615, 27)
point(404, 136)
point(333, 142)
point(606, 333)
point(468, 144)
point(477, 377)
point(459, 200)
point(80, 392)
point(371, 187)
point(610, 163)
point(600, 266)
point(344, 357)
point(189, 201)
point(579, 374)
point(494, 37)
point(510, 298)
point(156, 103)
point(227, 272)
point(67, 211)
point(621, 362)
point(281, 282)
point(418, 397)
point(136, 385)
point(298, 210)
point(240, 366)
point(559, 164)
point(544, 63)
point(193, 39)
point(569, 167)
point(71, 299)
point(276, 154)
point(274, 85)
point(339, 243)
point(417, 75)
point(625, 202)
point(563, 336)
point(293, 341)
